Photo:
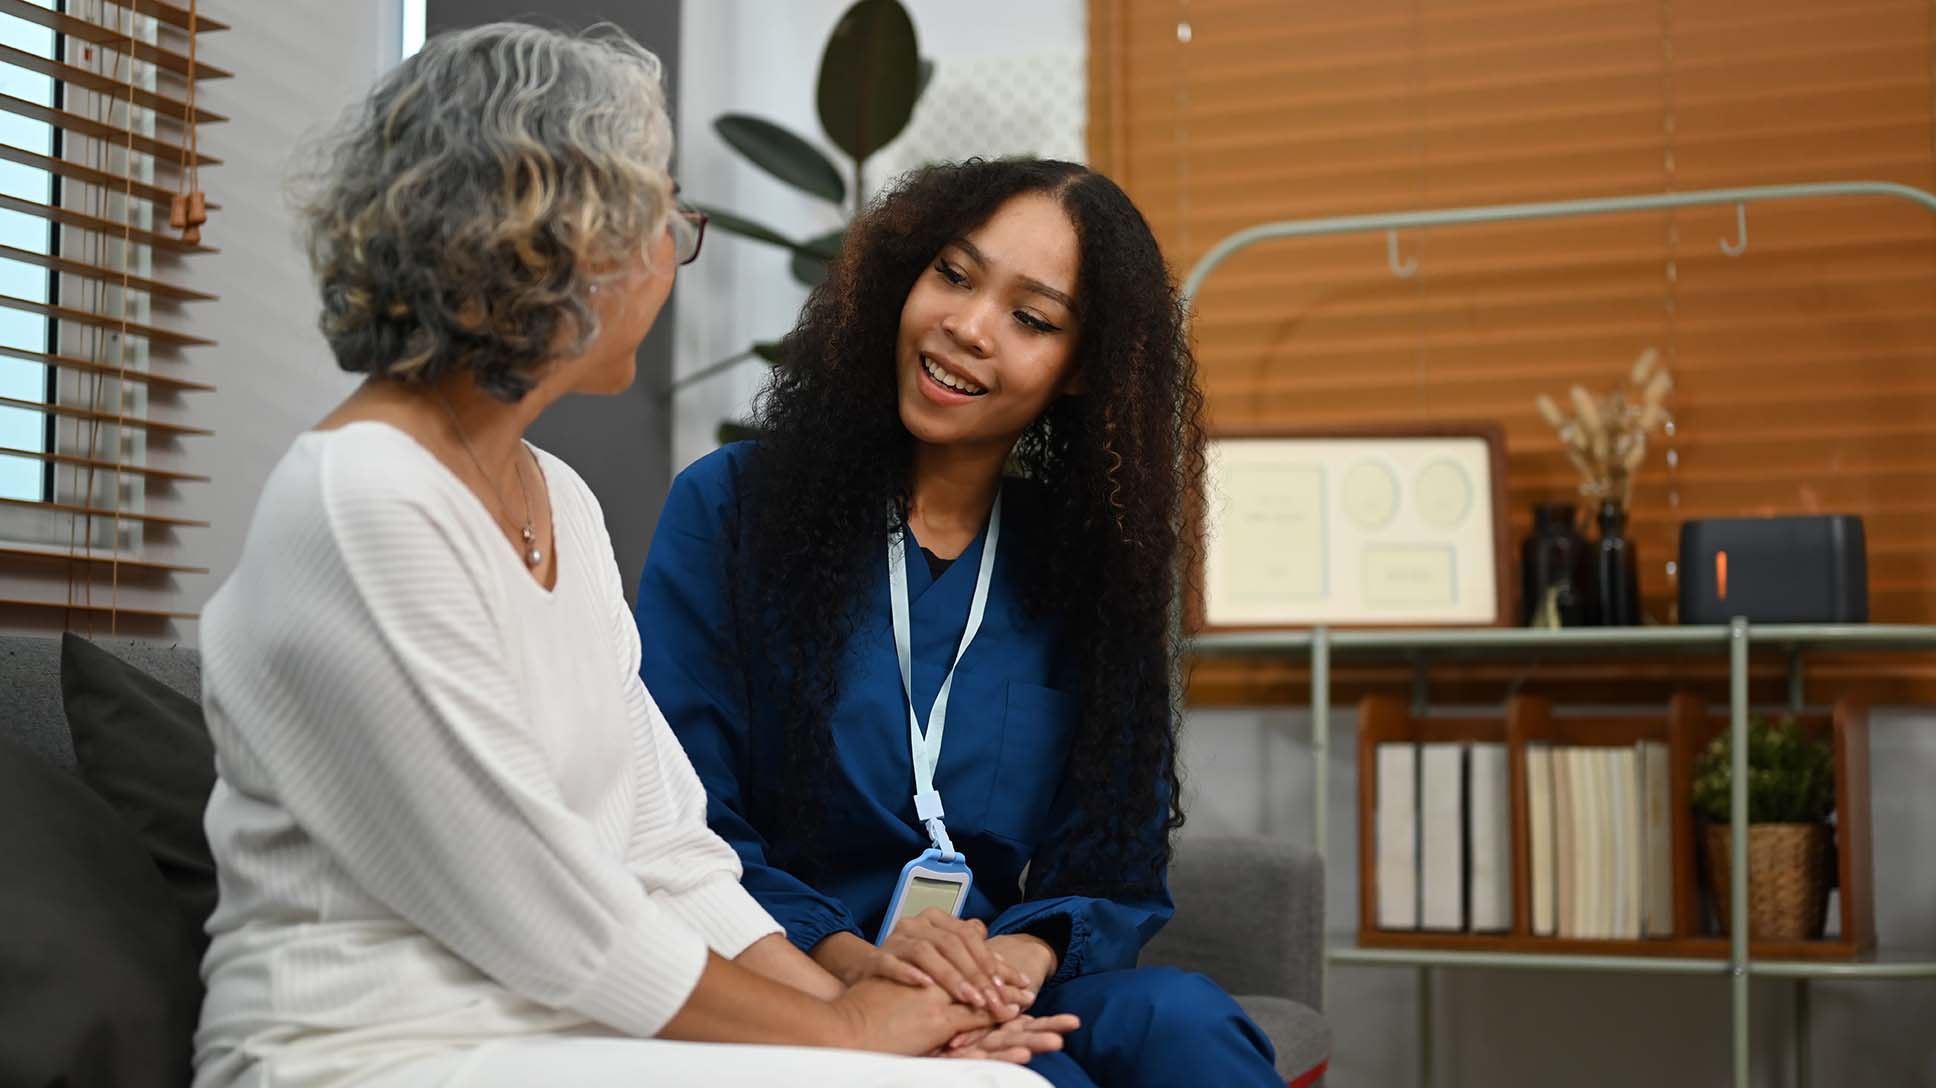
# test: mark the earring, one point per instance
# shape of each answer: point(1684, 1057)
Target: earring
point(594, 289)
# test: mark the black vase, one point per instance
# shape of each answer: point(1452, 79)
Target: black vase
point(1616, 571)
point(1554, 561)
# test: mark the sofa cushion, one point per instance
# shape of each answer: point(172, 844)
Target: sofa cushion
point(142, 746)
point(30, 677)
point(101, 984)
point(1302, 1037)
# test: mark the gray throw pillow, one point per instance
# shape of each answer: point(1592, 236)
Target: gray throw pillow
point(142, 747)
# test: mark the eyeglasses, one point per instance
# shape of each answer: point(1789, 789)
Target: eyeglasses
point(688, 227)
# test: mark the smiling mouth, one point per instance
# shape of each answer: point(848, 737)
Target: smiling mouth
point(949, 381)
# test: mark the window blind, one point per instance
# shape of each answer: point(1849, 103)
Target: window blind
point(100, 210)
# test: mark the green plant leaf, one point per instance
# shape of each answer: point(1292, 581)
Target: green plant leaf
point(808, 270)
point(779, 152)
point(1791, 775)
point(870, 75)
point(730, 432)
point(773, 351)
point(811, 257)
point(825, 246)
point(745, 228)
point(707, 371)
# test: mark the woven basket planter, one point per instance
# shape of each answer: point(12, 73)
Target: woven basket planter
point(1787, 879)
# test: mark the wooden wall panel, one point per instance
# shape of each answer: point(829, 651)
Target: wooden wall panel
point(1805, 369)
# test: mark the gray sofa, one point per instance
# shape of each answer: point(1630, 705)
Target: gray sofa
point(1250, 912)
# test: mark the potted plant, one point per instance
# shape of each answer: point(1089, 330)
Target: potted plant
point(871, 77)
point(1791, 794)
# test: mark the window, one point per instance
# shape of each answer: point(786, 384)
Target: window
point(24, 430)
point(413, 26)
point(98, 307)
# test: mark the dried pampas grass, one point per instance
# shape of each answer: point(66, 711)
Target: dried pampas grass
point(1606, 436)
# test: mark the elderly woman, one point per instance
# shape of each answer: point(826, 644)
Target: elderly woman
point(457, 843)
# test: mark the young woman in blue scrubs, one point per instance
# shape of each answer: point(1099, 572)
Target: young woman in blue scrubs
point(998, 353)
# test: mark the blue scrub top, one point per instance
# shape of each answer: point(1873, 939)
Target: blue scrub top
point(1012, 716)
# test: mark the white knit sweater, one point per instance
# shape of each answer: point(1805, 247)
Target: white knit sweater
point(447, 809)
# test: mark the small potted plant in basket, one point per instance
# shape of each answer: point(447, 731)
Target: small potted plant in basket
point(1791, 794)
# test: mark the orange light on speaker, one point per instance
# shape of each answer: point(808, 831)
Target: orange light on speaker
point(1721, 575)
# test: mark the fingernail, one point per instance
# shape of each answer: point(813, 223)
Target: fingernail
point(969, 995)
point(922, 977)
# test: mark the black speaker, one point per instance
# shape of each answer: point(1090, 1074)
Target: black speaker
point(1774, 570)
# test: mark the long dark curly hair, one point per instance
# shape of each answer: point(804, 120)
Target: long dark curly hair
point(1120, 463)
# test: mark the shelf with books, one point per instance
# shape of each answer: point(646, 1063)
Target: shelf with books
point(1737, 641)
point(1347, 949)
point(1606, 826)
point(1714, 949)
point(1706, 957)
point(1517, 641)
point(1569, 835)
point(1435, 827)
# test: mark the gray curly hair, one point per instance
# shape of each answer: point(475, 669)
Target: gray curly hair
point(458, 217)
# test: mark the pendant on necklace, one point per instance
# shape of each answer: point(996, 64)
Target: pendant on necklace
point(532, 555)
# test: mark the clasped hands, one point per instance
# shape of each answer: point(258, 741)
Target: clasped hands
point(998, 975)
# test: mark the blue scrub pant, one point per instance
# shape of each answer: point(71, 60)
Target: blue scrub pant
point(1156, 1027)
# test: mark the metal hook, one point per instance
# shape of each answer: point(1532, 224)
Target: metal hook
point(1740, 245)
point(1405, 270)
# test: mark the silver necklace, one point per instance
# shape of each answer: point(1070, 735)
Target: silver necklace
point(533, 555)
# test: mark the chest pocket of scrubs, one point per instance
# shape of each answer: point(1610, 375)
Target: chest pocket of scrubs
point(1038, 726)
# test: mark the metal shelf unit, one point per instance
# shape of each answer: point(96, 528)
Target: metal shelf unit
point(1736, 640)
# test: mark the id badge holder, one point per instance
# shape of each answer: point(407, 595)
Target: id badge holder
point(925, 882)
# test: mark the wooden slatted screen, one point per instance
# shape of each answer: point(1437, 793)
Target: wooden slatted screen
point(1806, 367)
point(98, 386)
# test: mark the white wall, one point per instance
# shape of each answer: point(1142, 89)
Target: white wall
point(297, 64)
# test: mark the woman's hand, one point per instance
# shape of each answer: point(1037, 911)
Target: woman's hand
point(1030, 954)
point(934, 948)
point(1017, 1040)
point(956, 954)
point(775, 957)
point(887, 1017)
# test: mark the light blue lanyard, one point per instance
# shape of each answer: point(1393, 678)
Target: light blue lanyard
point(925, 745)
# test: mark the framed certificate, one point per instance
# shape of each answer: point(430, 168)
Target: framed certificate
point(1366, 526)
